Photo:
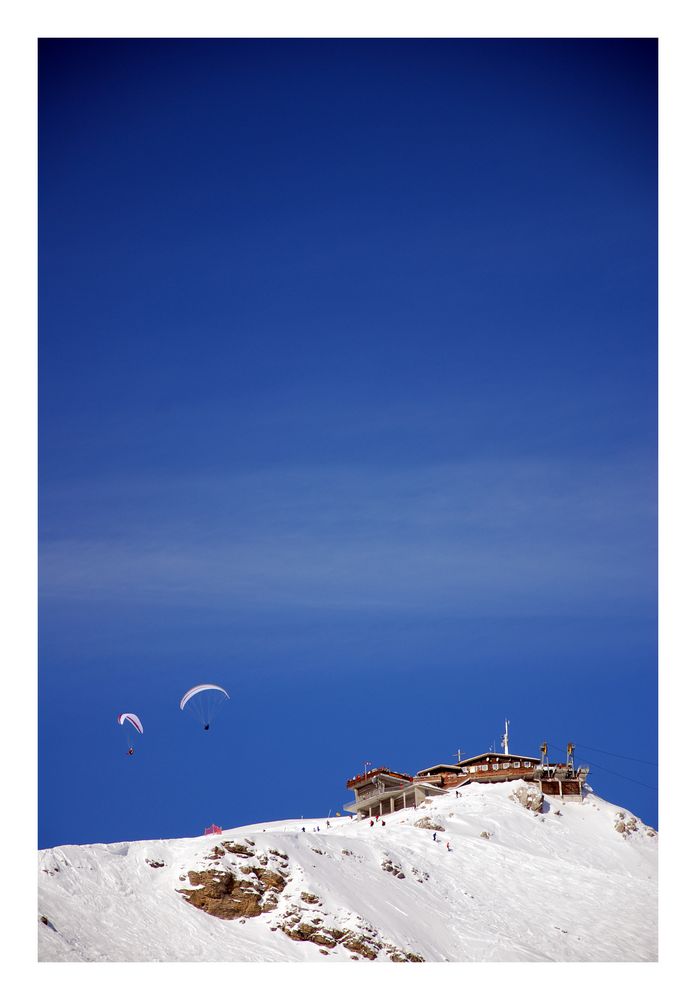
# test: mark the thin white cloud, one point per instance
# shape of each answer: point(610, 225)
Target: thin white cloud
point(484, 537)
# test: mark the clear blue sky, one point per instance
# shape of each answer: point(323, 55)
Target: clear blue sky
point(347, 403)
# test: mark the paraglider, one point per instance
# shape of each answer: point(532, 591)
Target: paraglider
point(134, 722)
point(204, 702)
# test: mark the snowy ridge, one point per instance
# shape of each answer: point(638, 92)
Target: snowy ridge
point(575, 882)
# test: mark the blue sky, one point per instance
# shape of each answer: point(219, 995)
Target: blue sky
point(347, 388)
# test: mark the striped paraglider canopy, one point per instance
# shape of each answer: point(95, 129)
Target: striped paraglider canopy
point(133, 719)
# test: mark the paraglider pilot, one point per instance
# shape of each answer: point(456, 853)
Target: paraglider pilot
point(135, 722)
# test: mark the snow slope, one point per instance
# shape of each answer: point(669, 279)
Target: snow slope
point(540, 887)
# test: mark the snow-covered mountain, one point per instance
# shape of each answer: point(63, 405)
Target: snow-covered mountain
point(572, 882)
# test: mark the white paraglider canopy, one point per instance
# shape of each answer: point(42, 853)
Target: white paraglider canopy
point(204, 702)
point(197, 690)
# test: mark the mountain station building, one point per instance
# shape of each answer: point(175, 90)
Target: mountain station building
point(380, 790)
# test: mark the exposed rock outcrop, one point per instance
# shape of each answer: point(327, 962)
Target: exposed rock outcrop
point(232, 893)
point(224, 894)
point(389, 866)
point(395, 955)
point(625, 825)
point(240, 849)
point(420, 876)
point(426, 823)
point(529, 797)
point(363, 941)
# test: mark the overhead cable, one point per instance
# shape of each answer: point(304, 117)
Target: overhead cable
point(609, 753)
point(615, 773)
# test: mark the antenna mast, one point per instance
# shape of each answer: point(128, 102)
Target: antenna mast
point(505, 737)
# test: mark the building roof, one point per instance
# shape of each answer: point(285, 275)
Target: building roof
point(369, 775)
point(439, 767)
point(499, 756)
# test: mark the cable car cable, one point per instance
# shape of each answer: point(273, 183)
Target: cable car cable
point(610, 754)
point(615, 773)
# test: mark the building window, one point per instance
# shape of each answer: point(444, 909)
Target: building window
point(516, 764)
point(484, 767)
point(495, 767)
point(506, 764)
point(464, 770)
point(527, 763)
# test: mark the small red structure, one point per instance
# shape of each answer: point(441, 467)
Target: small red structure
point(212, 829)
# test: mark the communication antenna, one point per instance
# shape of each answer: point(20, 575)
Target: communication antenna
point(505, 737)
point(367, 763)
point(458, 755)
point(544, 755)
point(569, 758)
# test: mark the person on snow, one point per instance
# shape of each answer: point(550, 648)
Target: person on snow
point(448, 846)
point(372, 822)
point(327, 823)
point(434, 836)
point(383, 823)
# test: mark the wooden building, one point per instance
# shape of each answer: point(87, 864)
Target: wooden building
point(381, 790)
point(493, 766)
